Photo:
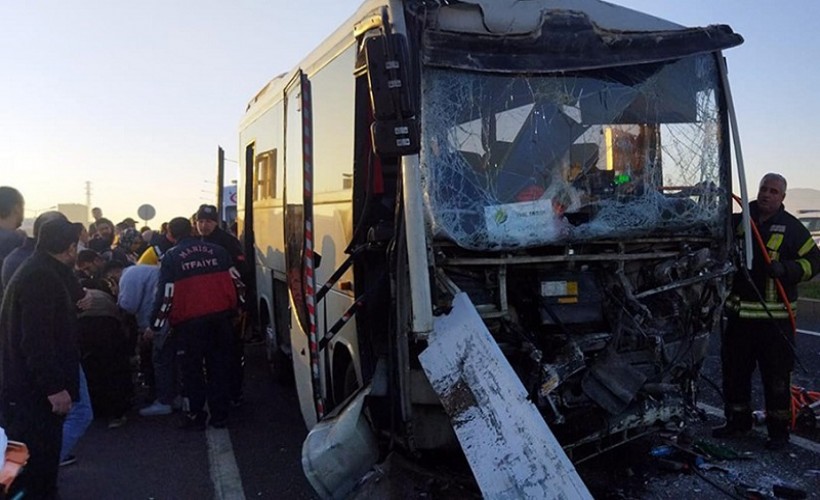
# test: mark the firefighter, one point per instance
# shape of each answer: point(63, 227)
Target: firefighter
point(207, 225)
point(759, 331)
point(198, 294)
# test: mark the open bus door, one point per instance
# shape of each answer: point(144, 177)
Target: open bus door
point(300, 259)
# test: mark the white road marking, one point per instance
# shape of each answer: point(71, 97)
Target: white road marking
point(809, 332)
point(224, 471)
point(806, 444)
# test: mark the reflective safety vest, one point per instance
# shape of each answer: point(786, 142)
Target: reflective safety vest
point(746, 309)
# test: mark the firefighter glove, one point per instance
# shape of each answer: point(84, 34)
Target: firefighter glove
point(777, 269)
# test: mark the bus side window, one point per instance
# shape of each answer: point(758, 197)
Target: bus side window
point(265, 178)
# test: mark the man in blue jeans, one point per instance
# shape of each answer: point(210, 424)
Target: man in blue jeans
point(138, 288)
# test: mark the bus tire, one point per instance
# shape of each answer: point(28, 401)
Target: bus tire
point(345, 382)
point(279, 364)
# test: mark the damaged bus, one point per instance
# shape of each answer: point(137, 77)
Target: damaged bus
point(500, 227)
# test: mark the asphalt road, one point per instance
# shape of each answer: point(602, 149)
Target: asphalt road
point(259, 455)
point(631, 472)
point(149, 458)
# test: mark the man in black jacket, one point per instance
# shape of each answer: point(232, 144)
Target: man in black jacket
point(17, 256)
point(207, 225)
point(39, 375)
point(759, 331)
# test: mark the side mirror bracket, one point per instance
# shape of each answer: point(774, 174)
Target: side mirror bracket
point(394, 131)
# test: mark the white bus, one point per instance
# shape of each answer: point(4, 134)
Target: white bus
point(455, 202)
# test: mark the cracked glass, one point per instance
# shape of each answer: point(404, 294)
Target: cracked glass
point(516, 161)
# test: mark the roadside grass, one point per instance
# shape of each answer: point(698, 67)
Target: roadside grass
point(809, 290)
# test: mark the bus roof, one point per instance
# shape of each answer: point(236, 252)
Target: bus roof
point(488, 16)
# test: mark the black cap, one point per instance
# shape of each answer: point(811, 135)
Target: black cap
point(207, 212)
point(56, 236)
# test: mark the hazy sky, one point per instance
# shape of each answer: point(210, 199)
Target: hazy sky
point(136, 96)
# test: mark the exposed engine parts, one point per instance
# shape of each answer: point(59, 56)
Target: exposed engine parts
point(607, 339)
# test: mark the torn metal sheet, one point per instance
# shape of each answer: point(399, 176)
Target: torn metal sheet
point(511, 450)
point(339, 450)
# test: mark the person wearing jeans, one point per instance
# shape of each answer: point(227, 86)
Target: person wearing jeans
point(138, 288)
point(76, 422)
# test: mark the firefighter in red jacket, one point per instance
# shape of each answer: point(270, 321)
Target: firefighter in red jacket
point(207, 225)
point(198, 293)
point(759, 331)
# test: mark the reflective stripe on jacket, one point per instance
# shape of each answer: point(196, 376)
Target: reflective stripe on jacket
point(787, 241)
point(756, 310)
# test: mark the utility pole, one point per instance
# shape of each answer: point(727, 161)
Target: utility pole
point(220, 182)
point(87, 201)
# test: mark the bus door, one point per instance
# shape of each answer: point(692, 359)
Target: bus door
point(308, 370)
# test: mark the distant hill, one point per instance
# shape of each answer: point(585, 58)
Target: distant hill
point(796, 199)
point(801, 199)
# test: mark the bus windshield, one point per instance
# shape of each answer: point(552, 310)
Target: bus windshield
point(515, 161)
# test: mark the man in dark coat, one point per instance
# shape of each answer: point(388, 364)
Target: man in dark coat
point(17, 256)
point(207, 225)
point(40, 366)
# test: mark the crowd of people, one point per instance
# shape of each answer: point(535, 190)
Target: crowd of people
point(92, 316)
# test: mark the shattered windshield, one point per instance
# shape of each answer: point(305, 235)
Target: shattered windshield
point(511, 161)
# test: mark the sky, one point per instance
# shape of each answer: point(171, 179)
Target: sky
point(135, 97)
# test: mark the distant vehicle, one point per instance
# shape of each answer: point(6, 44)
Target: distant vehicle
point(811, 219)
point(467, 213)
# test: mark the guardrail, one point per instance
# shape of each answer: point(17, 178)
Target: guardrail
point(808, 310)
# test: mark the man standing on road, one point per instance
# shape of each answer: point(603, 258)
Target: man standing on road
point(207, 225)
point(81, 414)
point(759, 330)
point(197, 294)
point(39, 374)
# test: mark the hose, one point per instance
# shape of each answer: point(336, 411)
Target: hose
point(780, 290)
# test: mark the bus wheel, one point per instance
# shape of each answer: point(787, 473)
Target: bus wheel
point(345, 382)
point(278, 362)
point(351, 382)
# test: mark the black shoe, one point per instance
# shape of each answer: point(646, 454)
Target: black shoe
point(729, 431)
point(193, 421)
point(777, 443)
